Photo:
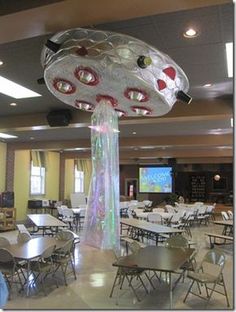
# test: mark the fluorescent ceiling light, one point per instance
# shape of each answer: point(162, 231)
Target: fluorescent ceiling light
point(232, 122)
point(15, 90)
point(229, 56)
point(7, 136)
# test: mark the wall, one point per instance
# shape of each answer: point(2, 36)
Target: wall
point(52, 176)
point(182, 174)
point(3, 152)
point(69, 178)
point(22, 180)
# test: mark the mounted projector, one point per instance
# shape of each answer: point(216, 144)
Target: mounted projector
point(60, 118)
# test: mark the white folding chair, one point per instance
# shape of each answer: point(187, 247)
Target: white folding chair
point(198, 203)
point(209, 213)
point(154, 218)
point(170, 208)
point(230, 214)
point(224, 215)
point(68, 217)
point(147, 203)
point(201, 214)
point(158, 210)
point(176, 220)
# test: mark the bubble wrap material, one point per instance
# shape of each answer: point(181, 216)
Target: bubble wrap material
point(113, 58)
point(102, 220)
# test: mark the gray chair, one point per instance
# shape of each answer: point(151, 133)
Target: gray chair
point(135, 246)
point(224, 215)
point(210, 272)
point(179, 241)
point(43, 267)
point(4, 242)
point(63, 260)
point(66, 235)
point(23, 237)
point(129, 274)
point(10, 269)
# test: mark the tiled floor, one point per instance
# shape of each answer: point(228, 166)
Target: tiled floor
point(95, 276)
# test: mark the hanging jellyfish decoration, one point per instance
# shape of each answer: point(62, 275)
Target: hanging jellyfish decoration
point(111, 75)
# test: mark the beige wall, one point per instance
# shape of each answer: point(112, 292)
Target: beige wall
point(52, 176)
point(3, 153)
point(21, 183)
point(69, 178)
point(22, 180)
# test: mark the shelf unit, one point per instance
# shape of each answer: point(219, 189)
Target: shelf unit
point(7, 219)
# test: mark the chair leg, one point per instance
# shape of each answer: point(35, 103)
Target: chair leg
point(122, 280)
point(199, 289)
point(114, 283)
point(149, 279)
point(189, 291)
point(226, 295)
point(42, 283)
point(131, 286)
point(144, 286)
point(63, 269)
point(73, 268)
point(19, 279)
point(212, 290)
point(206, 290)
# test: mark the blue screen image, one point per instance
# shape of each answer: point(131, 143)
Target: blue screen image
point(155, 179)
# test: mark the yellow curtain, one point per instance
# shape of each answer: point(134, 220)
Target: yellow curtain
point(38, 158)
point(85, 165)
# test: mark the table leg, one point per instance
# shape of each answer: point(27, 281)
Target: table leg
point(170, 287)
point(77, 216)
point(27, 278)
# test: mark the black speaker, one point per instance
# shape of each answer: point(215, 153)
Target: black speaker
point(172, 161)
point(60, 118)
point(7, 199)
point(35, 203)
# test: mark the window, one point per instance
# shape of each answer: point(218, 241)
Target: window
point(79, 181)
point(37, 180)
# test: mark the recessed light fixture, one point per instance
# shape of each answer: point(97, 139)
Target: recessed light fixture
point(134, 132)
point(232, 122)
point(207, 85)
point(7, 136)
point(216, 177)
point(190, 33)
point(1, 62)
point(229, 57)
point(15, 90)
point(13, 104)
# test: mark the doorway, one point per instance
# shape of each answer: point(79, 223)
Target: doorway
point(131, 188)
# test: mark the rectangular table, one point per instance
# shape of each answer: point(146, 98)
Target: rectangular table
point(226, 224)
point(31, 250)
point(46, 221)
point(157, 258)
point(148, 227)
point(144, 215)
